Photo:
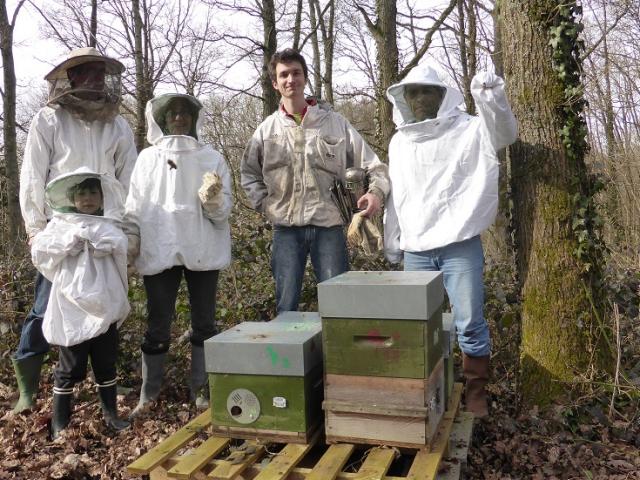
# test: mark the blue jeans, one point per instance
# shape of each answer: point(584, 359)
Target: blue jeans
point(461, 264)
point(32, 341)
point(291, 246)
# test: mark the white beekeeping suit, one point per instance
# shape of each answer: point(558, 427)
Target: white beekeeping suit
point(444, 170)
point(183, 230)
point(85, 258)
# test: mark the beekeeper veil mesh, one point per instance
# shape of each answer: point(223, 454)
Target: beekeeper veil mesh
point(87, 84)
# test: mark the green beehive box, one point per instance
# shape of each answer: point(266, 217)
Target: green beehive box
point(382, 347)
point(386, 324)
point(266, 379)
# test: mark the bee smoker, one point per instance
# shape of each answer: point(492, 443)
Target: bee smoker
point(357, 184)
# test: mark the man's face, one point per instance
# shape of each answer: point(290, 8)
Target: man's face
point(424, 100)
point(290, 80)
point(88, 200)
point(178, 118)
point(88, 76)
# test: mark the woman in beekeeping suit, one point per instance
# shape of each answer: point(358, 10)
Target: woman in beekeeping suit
point(178, 208)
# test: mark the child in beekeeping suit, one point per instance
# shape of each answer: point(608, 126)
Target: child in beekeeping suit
point(83, 252)
point(177, 212)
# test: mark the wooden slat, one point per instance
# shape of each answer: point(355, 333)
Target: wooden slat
point(195, 460)
point(424, 466)
point(455, 399)
point(239, 461)
point(376, 464)
point(170, 445)
point(331, 462)
point(284, 462)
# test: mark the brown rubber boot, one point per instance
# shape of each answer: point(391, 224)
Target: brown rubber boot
point(476, 372)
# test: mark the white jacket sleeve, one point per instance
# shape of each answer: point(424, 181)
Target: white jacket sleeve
point(33, 175)
point(52, 245)
point(224, 198)
point(125, 154)
point(363, 156)
point(392, 250)
point(493, 107)
point(131, 221)
point(251, 177)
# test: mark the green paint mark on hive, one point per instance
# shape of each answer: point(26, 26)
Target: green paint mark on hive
point(273, 355)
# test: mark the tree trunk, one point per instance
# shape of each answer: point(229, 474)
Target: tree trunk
point(93, 34)
point(317, 72)
point(387, 60)
point(328, 43)
point(464, 59)
point(558, 268)
point(14, 218)
point(498, 246)
point(270, 46)
point(608, 107)
point(141, 91)
point(327, 30)
point(297, 27)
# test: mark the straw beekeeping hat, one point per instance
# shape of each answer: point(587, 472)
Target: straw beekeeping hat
point(84, 55)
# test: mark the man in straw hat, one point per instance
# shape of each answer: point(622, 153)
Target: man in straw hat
point(79, 127)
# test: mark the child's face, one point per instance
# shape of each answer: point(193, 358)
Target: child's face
point(88, 200)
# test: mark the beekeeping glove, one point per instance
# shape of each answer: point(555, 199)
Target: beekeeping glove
point(363, 233)
point(210, 193)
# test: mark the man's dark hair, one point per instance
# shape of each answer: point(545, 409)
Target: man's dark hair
point(287, 55)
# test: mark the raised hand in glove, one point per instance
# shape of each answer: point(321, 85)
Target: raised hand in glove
point(210, 192)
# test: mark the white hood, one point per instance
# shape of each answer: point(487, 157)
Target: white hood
point(154, 112)
point(113, 194)
point(424, 74)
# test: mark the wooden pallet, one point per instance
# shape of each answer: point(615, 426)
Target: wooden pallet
point(226, 458)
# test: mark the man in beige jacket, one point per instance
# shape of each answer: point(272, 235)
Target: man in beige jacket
point(288, 167)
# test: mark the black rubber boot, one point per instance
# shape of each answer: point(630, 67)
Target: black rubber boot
point(108, 399)
point(61, 413)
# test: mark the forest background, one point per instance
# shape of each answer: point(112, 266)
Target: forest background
point(563, 258)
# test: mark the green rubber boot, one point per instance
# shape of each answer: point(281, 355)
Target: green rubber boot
point(28, 378)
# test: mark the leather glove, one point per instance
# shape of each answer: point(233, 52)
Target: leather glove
point(364, 233)
point(210, 192)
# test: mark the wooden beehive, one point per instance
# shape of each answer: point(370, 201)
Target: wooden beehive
point(266, 379)
point(383, 357)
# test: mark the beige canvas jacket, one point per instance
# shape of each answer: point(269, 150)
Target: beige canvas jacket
point(287, 169)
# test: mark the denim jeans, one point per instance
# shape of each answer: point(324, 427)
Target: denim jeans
point(291, 246)
point(32, 341)
point(461, 264)
point(162, 291)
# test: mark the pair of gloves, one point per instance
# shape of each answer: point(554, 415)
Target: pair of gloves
point(365, 234)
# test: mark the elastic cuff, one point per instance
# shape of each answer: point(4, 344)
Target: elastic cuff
point(63, 391)
point(155, 349)
point(107, 384)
